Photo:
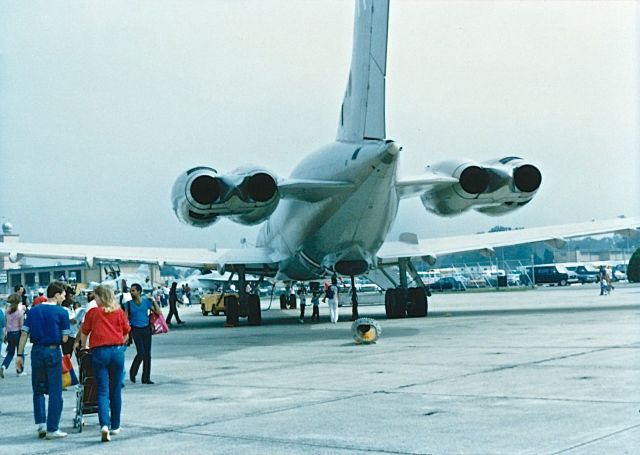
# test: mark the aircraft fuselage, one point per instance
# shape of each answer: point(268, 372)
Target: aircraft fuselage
point(342, 233)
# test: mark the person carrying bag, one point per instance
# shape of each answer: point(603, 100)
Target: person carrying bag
point(137, 310)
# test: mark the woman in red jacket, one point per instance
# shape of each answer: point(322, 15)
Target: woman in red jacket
point(109, 329)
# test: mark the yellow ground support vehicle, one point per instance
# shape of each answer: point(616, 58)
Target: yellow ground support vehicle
point(214, 303)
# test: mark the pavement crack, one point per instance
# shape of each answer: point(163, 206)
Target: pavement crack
point(594, 440)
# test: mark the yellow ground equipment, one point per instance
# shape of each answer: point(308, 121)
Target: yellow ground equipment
point(214, 303)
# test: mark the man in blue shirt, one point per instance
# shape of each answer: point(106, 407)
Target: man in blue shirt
point(137, 310)
point(48, 327)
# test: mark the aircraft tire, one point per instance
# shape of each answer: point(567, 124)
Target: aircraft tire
point(395, 303)
point(417, 305)
point(255, 314)
point(389, 300)
point(232, 310)
point(283, 302)
point(400, 304)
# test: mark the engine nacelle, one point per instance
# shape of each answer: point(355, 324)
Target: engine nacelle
point(246, 195)
point(493, 187)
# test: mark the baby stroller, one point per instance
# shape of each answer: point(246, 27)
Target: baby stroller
point(86, 390)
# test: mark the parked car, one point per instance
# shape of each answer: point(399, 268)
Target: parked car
point(368, 287)
point(513, 279)
point(551, 274)
point(619, 272)
point(585, 273)
point(447, 283)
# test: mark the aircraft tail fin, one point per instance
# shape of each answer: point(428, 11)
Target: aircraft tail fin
point(362, 112)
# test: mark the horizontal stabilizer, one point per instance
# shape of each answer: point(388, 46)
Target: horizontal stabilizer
point(415, 186)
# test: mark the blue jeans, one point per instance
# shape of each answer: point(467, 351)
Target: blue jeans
point(108, 367)
point(12, 344)
point(142, 339)
point(46, 377)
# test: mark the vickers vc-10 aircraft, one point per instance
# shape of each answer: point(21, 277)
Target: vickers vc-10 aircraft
point(332, 215)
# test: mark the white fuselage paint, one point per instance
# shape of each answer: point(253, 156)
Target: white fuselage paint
point(310, 237)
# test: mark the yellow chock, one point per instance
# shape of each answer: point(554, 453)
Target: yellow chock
point(365, 330)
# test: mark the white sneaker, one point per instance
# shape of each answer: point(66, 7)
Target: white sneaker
point(104, 434)
point(115, 431)
point(41, 430)
point(55, 434)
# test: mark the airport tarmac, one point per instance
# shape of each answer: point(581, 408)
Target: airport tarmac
point(545, 371)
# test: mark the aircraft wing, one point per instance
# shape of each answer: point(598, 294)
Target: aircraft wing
point(254, 258)
point(429, 249)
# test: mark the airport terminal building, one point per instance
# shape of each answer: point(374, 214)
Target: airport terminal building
point(39, 273)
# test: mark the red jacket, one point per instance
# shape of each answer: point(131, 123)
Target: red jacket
point(106, 329)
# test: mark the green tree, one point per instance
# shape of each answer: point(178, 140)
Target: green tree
point(633, 270)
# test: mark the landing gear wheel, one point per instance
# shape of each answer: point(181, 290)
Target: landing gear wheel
point(417, 306)
point(395, 303)
point(400, 306)
point(255, 314)
point(389, 299)
point(232, 310)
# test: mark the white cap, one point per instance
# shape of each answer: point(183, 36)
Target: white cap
point(40, 291)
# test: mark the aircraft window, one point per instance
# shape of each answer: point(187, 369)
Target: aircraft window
point(355, 154)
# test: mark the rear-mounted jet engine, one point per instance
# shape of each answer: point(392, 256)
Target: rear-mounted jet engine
point(247, 195)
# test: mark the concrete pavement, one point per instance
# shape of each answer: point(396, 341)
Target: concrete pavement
point(546, 371)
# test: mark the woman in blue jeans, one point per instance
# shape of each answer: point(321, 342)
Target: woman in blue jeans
point(14, 321)
point(109, 329)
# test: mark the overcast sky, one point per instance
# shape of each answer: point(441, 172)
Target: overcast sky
point(103, 104)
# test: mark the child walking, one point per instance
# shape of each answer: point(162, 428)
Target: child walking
point(315, 301)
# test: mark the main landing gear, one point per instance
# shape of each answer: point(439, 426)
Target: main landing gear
point(244, 305)
point(404, 301)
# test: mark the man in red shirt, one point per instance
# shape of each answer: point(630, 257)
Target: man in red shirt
point(40, 299)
